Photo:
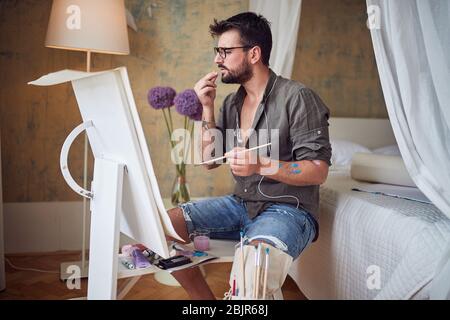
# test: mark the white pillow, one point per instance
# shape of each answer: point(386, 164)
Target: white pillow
point(343, 151)
point(392, 150)
point(380, 168)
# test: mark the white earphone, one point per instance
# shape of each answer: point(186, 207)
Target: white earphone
point(240, 142)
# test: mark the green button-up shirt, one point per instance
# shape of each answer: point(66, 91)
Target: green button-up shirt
point(302, 120)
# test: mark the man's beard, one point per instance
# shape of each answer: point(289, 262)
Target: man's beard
point(239, 76)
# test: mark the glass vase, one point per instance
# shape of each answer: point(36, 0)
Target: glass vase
point(180, 190)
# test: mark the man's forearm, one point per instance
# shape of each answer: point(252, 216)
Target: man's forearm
point(208, 123)
point(297, 173)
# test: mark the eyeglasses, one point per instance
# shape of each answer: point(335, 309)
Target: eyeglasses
point(223, 51)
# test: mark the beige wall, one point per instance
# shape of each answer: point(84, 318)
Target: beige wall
point(335, 57)
point(173, 47)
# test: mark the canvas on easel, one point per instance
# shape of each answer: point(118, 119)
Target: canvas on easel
point(125, 195)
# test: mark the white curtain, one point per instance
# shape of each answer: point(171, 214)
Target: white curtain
point(411, 39)
point(284, 16)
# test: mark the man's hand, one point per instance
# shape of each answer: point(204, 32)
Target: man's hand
point(243, 163)
point(205, 89)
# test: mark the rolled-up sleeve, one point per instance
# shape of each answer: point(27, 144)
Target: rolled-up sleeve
point(308, 117)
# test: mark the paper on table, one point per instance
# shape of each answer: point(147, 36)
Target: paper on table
point(408, 193)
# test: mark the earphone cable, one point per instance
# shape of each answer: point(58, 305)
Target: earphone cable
point(276, 197)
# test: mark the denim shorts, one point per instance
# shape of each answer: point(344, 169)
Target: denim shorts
point(280, 225)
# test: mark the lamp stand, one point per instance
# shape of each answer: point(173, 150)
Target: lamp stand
point(83, 265)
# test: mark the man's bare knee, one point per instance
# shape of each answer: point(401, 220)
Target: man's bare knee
point(179, 224)
point(256, 242)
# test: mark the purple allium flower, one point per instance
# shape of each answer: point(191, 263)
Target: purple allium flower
point(187, 103)
point(161, 97)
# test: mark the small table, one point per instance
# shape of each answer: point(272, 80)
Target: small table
point(223, 249)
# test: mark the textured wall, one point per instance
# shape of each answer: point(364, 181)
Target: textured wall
point(173, 47)
point(335, 57)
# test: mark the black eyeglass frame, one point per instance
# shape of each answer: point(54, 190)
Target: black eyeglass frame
point(217, 50)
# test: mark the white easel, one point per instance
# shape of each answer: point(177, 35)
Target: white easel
point(125, 196)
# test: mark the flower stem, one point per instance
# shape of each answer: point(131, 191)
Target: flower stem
point(190, 135)
point(184, 141)
point(169, 130)
point(171, 122)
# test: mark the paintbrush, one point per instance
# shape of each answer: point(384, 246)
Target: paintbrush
point(266, 271)
point(242, 264)
point(220, 158)
point(258, 270)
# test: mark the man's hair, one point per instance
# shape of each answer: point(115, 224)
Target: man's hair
point(254, 30)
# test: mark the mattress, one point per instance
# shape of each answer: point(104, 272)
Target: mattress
point(371, 246)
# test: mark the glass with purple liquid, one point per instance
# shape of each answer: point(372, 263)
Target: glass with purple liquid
point(200, 239)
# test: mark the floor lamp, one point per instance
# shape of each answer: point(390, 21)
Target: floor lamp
point(91, 26)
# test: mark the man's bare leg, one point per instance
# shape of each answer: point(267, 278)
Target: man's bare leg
point(191, 279)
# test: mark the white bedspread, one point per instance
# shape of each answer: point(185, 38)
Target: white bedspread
point(361, 234)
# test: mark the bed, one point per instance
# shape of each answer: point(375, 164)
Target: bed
point(370, 246)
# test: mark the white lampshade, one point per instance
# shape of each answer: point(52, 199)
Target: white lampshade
point(88, 25)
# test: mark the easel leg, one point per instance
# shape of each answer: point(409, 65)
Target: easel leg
point(105, 221)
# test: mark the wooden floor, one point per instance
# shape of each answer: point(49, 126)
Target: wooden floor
point(47, 286)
